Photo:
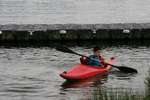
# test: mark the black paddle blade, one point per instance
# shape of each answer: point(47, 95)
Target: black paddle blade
point(64, 49)
point(126, 69)
point(67, 50)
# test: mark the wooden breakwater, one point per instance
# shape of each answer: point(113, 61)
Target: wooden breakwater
point(44, 32)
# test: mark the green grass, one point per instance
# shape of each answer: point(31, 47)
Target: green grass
point(121, 94)
point(147, 82)
point(115, 94)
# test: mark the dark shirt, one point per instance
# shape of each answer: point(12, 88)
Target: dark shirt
point(94, 60)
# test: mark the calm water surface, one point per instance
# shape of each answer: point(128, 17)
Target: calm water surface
point(74, 11)
point(33, 73)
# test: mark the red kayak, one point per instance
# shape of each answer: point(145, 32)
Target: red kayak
point(82, 71)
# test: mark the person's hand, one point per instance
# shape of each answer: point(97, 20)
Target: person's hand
point(112, 58)
point(83, 57)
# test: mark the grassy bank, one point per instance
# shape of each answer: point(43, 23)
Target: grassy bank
point(121, 94)
point(147, 82)
point(116, 94)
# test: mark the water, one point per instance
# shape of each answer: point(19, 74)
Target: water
point(33, 73)
point(74, 11)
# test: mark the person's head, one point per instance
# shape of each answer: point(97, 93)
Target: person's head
point(96, 51)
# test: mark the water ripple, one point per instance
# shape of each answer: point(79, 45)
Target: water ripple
point(33, 73)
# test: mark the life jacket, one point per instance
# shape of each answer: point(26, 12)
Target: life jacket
point(94, 61)
point(86, 61)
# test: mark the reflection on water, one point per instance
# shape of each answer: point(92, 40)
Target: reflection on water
point(90, 82)
point(33, 73)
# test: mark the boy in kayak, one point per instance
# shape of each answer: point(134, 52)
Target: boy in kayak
point(94, 60)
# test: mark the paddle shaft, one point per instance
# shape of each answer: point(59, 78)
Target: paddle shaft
point(121, 68)
point(67, 50)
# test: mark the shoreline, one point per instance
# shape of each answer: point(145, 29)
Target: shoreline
point(63, 32)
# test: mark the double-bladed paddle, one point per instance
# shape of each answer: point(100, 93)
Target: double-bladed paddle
point(121, 68)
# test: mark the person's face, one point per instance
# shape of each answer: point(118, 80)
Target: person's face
point(97, 53)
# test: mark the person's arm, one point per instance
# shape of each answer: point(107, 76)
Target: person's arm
point(83, 60)
point(102, 60)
